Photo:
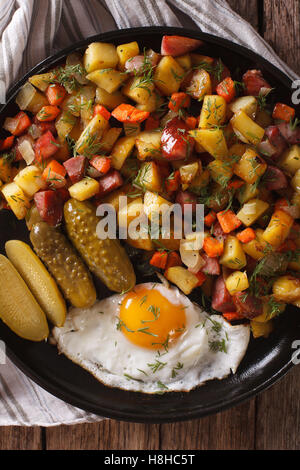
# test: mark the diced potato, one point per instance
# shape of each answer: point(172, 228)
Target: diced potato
point(182, 278)
point(184, 61)
point(71, 104)
point(290, 161)
point(148, 144)
point(155, 205)
point(113, 198)
point(233, 256)
point(91, 135)
point(87, 97)
point(251, 211)
point(237, 282)
point(153, 103)
point(29, 99)
point(30, 180)
point(248, 104)
point(76, 131)
point(6, 171)
point(137, 90)
point(109, 139)
point(247, 192)
point(256, 248)
point(261, 329)
point(237, 150)
point(199, 59)
point(246, 129)
point(41, 81)
point(84, 189)
point(130, 212)
point(278, 229)
point(220, 172)
point(250, 167)
point(100, 55)
point(199, 84)
point(213, 142)
point(109, 100)
point(132, 129)
point(188, 172)
point(127, 51)
point(213, 112)
point(287, 289)
point(168, 75)
point(65, 123)
point(149, 177)
point(199, 182)
point(271, 308)
point(263, 118)
point(295, 181)
point(16, 199)
point(107, 79)
point(141, 243)
point(121, 150)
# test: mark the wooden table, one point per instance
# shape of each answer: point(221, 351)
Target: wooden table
point(269, 421)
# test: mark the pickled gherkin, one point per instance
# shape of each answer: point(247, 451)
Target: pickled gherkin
point(107, 259)
point(65, 265)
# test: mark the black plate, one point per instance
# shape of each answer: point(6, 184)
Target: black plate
point(266, 359)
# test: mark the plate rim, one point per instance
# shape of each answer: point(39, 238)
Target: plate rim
point(27, 370)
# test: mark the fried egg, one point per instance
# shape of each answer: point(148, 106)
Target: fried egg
point(152, 339)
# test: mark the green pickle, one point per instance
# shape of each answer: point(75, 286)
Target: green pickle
point(107, 259)
point(65, 265)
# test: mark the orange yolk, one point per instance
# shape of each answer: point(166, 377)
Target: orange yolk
point(149, 320)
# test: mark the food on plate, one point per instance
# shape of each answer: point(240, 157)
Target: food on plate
point(38, 279)
point(64, 264)
point(105, 258)
point(132, 342)
point(19, 310)
point(149, 132)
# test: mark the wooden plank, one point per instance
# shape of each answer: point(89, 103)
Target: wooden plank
point(278, 415)
point(20, 438)
point(231, 429)
point(247, 9)
point(107, 435)
point(281, 29)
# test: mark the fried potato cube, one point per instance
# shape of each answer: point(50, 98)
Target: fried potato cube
point(100, 55)
point(84, 189)
point(168, 75)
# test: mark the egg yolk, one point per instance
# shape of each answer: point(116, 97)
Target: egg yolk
point(150, 320)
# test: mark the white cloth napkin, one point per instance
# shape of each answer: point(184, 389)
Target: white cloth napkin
point(31, 30)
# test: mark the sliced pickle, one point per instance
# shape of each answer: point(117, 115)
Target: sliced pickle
point(107, 259)
point(18, 308)
point(65, 265)
point(38, 279)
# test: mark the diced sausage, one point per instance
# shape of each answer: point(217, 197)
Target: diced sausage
point(221, 299)
point(45, 147)
point(212, 266)
point(254, 81)
point(292, 136)
point(50, 206)
point(274, 179)
point(247, 305)
point(75, 168)
point(276, 140)
point(176, 143)
point(218, 232)
point(187, 200)
point(109, 182)
point(178, 45)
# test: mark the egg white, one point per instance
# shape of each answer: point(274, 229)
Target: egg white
point(209, 348)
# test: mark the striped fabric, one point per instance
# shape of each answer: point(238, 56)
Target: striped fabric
point(31, 30)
